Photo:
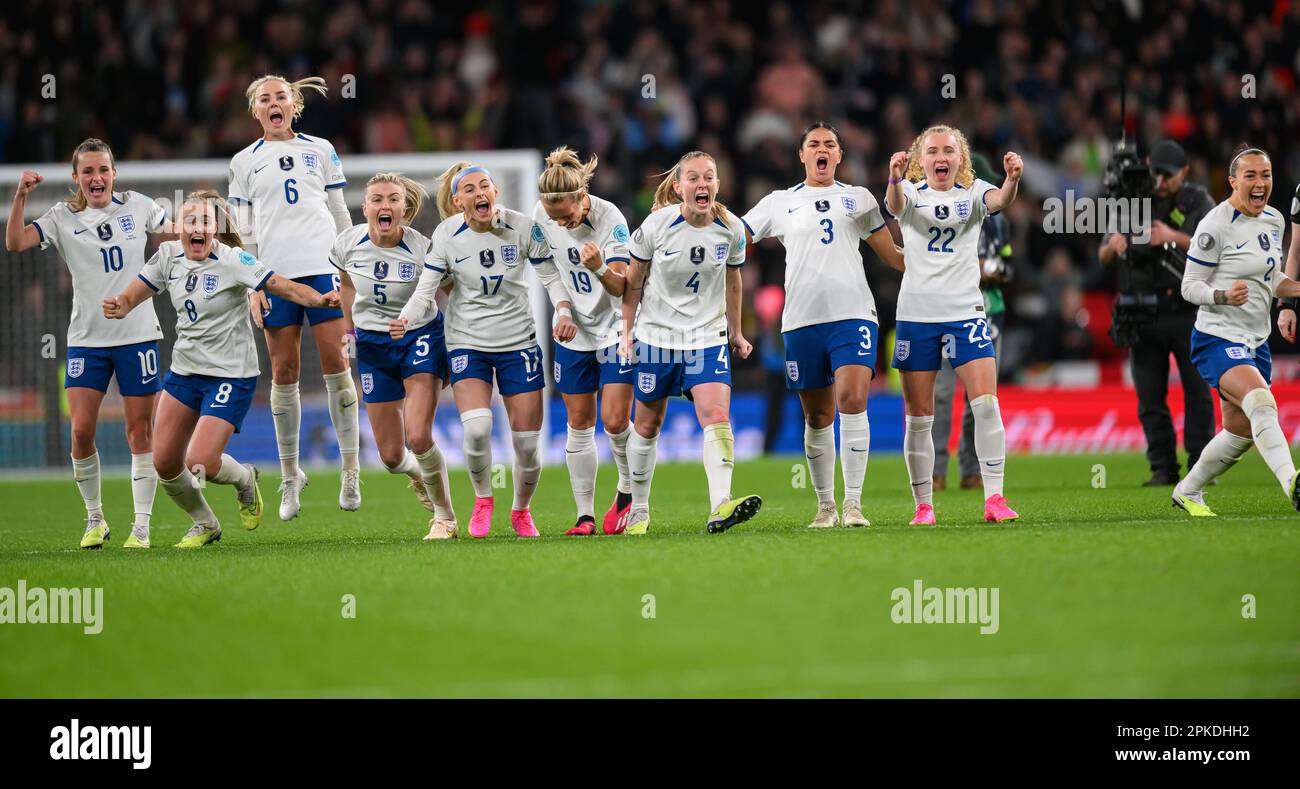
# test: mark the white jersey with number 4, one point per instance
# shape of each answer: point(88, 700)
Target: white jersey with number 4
point(287, 182)
point(821, 228)
point(385, 277)
point(1229, 246)
point(488, 308)
point(597, 314)
point(684, 301)
point(103, 249)
point(214, 335)
point(941, 233)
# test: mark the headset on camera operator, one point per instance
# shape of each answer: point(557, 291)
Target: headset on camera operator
point(1150, 316)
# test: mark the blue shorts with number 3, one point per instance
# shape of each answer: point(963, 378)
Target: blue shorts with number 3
point(516, 371)
point(814, 353)
point(923, 346)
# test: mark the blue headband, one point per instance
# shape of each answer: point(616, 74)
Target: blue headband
point(455, 183)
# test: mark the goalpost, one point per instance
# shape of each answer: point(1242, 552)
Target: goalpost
point(38, 304)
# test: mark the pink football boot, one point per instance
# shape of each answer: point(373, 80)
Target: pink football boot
point(522, 521)
point(924, 515)
point(481, 521)
point(997, 511)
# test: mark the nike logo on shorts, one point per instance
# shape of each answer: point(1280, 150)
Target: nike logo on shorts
point(531, 378)
point(149, 379)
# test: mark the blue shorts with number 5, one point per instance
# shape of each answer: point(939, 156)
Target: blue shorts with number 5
point(814, 353)
point(516, 371)
point(385, 363)
point(228, 398)
point(1214, 356)
point(664, 372)
point(923, 346)
point(135, 365)
point(287, 313)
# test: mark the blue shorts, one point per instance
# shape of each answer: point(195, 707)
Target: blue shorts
point(663, 372)
point(135, 365)
point(584, 372)
point(1214, 356)
point(517, 371)
point(227, 398)
point(287, 313)
point(814, 353)
point(384, 362)
point(923, 346)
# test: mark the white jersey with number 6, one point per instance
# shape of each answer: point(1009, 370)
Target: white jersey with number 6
point(103, 249)
point(286, 182)
point(385, 277)
point(684, 301)
point(1228, 246)
point(941, 233)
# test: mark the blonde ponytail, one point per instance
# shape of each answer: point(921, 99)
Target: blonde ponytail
point(443, 196)
point(665, 195)
point(295, 90)
point(227, 230)
point(76, 198)
point(565, 175)
point(413, 192)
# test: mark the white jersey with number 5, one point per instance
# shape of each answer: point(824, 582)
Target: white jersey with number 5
point(597, 314)
point(684, 301)
point(941, 233)
point(822, 228)
point(286, 182)
point(103, 249)
point(214, 335)
point(1229, 246)
point(385, 277)
point(488, 308)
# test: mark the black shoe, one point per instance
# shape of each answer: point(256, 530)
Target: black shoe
point(1161, 479)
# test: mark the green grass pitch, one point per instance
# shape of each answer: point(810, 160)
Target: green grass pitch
point(1102, 591)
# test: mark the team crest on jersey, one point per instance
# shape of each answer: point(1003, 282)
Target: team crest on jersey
point(822, 205)
point(381, 269)
point(574, 257)
point(367, 383)
point(720, 252)
point(286, 163)
point(645, 382)
point(127, 223)
point(510, 255)
point(459, 363)
point(191, 282)
point(902, 349)
point(941, 212)
point(963, 210)
point(1276, 241)
point(792, 371)
point(1263, 241)
point(850, 204)
point(1238, 352)
point(487, 258)
point(105, 231)
point(697, 255)
point(76, 367)
point(406, 271)
point(309, 161)
point(556, 370)
point(210, 282)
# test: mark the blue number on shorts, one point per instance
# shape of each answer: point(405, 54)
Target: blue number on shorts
point(581, 282)
point(191, 311)
point(829, 228)
point(496, 280)
point(112, 259)
point(290, 194)
point(380, 296)
point(940, 231)
point(694, 282)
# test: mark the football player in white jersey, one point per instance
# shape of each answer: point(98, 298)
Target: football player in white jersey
point(100, 234)
point(591, 235)
point(1286, 316)
point(1234, 271)
point(481, 251)
point(681, 316)
point(213, 374)
point(288, 188)
point(941, 205)
point(379, 263)
point(829, 322)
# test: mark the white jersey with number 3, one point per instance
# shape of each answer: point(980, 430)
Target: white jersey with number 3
point(941, 233)
point(1228, 246)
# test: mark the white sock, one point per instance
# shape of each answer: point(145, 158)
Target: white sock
point(580, 455)
point(819, 448)
point(1261, 409)
point(918, 451)
point(527, 467)
point(232, 472)
point(719, 461)
point(477, 424)
point(641, 468)
point(855, 447)
point(990, 442)
point(342, 395)
point(86, 472)
point(184, 490)
point(433, 471)
point(406, 465)
point(286, 413)
point(144, 484)
point(618, 448)
point(1221, 454)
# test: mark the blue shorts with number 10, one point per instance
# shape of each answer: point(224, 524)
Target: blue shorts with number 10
point(814, 353)
point(664, 372)
point(920, 346)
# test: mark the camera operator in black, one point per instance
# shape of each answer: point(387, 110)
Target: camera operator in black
point(1152, 318)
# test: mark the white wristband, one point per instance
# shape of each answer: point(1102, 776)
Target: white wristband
point(600, 272)
point(565, 312)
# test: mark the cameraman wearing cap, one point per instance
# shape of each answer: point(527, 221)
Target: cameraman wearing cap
point(1156, 319)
